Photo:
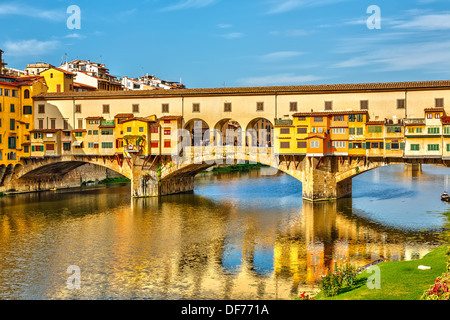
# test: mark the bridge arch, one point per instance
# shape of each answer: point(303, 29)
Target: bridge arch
point(254, 132)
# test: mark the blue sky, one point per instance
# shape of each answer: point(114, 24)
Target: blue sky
point(216, 43)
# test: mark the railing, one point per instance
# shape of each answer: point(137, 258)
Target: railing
point(284, 122)
point(414, 121)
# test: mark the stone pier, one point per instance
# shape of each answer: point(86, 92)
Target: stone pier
point(319, 180)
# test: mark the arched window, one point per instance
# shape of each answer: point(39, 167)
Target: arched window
point(26, 94)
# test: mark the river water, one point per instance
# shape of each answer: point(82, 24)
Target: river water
point(238, 236)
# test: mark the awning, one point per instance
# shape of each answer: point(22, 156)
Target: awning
point(77, 143)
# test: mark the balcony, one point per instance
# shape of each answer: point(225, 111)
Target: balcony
point(411, 122)
point(284, 122)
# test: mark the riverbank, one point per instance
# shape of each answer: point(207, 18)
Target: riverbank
point(245, 167)
point(400, 280)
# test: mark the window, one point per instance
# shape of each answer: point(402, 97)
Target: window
point(26, 94)
point(394, 129)
point(52, 123)
point(135, 108)
point(78, 134)
point(448, 147)
point(154, 129)
point(26, 149)
point(165, 108)
point(434, 130)
point(360, 118)
point(107, 132)
point(302, 130)
point(328, 105)
point(301, 118)
point(106, 108)
point(27, 110)
point(301, 145)
point(41, 108)
point(78, 108)
point(418, 130)
point(446, 130)
point(359, 131)
point(12, 107)
point(339, 144)
point(167, 143)
point(401, 104)
point(80, 123)
point(155, 144)
point(107, 145)
point(260, 106)
point(351, 117)
point(141, 129)
point(339, 118)
point(50, 147)
point(66, 146)
point(12, 142)
point(373, 145)
point(14, 93)
point(128, 129)
point(167, 132)
point(415, 147)
point(293, 107)
point(364, 104)
point(6, 92)
point(95, 132)
point(429, 116)
point(196, 107)
point(285, 131)
point(433, 147)
point(12, 124)
point(315, 144)
point(227, 107)
point(352, 131)
point(375, 129)
point(437, 116)
point(439, 103)
point(285, 145)
point(338, 130)
point(318, 119)
point(395, 146)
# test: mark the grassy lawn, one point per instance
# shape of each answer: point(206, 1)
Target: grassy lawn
point(399, 280)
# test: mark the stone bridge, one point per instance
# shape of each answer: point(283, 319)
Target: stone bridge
point(323, 178)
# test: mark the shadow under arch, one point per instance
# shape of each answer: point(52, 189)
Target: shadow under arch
point(259, 132)
point(197, 128)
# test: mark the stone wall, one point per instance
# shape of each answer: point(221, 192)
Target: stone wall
point(72, 179)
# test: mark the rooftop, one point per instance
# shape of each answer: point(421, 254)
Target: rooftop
point(329, 88)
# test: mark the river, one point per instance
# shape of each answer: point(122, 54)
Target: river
point(238, 236)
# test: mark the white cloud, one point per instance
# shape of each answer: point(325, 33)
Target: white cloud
point(30, 47)
point(232, 35)
point(279, 79)
point(9, 9)
point(189, 4)
point(280, 55)
point(282, 6)
point(224, 26)
point(430, 22)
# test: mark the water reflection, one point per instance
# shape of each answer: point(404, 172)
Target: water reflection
point(240, 236)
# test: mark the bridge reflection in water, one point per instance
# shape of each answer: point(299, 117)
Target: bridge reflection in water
point(230, 244)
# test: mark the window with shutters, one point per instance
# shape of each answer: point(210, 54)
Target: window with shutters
point(285, 145)
point(302, 145)
point(293, 107)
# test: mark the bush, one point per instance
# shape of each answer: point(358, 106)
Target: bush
point(343, 276)
point(440, 290)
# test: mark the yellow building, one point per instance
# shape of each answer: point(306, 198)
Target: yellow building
point(375, 138)
point(169, 126)
point(138, 135)
point(356, 133)
point(58, 80)
point(16, 116)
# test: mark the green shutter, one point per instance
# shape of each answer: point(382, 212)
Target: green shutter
point(350, 145)
point(388, 146)
point(402, 146)
point(32, 148)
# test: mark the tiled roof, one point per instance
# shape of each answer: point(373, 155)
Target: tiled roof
point(434, 110)
point(124, 115)
point(387, 86)
point(170, 118)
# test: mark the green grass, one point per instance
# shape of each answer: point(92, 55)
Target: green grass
point(245, 167)
point(115, 180)
point(399, 280)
